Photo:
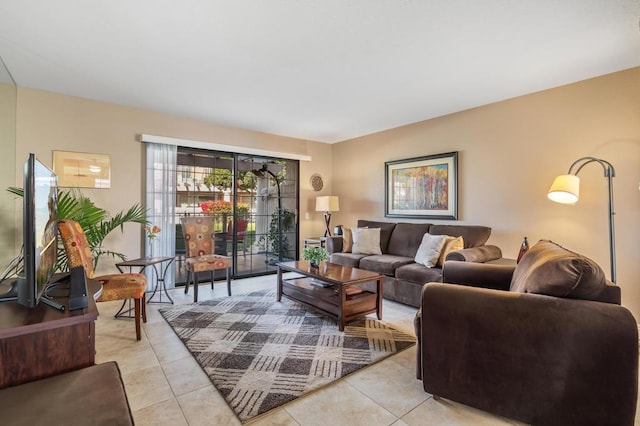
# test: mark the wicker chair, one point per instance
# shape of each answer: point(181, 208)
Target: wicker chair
point(114, 286)
point(199, 237)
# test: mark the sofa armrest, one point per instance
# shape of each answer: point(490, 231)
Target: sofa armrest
point(333, 245)
point(486, 275)
point(478, 254)
point(534, 358)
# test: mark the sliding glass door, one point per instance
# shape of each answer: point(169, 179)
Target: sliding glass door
point(254, 201)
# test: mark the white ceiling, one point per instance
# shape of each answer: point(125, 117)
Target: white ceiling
point(323, 70)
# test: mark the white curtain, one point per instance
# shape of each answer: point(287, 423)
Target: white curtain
point(160, 204)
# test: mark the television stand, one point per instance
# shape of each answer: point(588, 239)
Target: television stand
point(41, 342)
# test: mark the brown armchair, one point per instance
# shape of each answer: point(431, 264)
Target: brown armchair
point(544, 342)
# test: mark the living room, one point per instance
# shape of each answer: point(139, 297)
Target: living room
point(509, 151)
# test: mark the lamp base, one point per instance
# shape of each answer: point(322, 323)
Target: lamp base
point(327, 220)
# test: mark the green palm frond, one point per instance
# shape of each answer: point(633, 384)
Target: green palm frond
point(95, 221)
point(15, 191)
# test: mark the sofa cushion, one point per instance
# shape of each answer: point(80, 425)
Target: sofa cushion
point(406, 238)
point(366, 241)
point(550, 269)
point(473, 236)
point(450, 244)
point(346, 259)
point(429, 251)
point(384, 263)
point(417, 273)
point(386, 228)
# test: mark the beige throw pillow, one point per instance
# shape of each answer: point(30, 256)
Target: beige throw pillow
point(429, 251)
point(450, 244)
point(366, 241)
point(347, 240)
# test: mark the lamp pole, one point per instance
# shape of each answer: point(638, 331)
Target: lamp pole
point(567, 193)
point(260, 173)
point(609, 173)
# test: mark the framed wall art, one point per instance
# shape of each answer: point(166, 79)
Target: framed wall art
point(422, 187)
point(82, 170)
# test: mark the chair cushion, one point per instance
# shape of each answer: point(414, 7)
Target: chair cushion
point(199, 235)
point(208, 262)
point(122, 286)
point(550, 269)
point(76, 245)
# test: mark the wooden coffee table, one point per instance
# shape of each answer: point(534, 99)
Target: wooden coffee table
point(341, 299)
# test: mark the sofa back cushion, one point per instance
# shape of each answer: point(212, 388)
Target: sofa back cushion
point(473, 236)
point(550, 269)
point(405, 238)
point(386, 229)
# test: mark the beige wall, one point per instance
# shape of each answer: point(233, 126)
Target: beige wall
point(509, 153)
point(8, 203)
point(48, 121)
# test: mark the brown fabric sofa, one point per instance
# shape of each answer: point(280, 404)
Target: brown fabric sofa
point(399, 243)
point(93, 396)
point(544, 342)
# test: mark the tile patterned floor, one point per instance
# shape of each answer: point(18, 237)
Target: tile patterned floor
point(166, 386)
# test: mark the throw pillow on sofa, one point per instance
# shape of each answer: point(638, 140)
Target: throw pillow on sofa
point(347, 240)
point(366, 241)
point(429, 251)
point(450, 244)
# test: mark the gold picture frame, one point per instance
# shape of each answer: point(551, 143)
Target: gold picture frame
point(82, 169)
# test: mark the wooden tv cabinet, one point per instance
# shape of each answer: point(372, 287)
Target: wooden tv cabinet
point(42, 342)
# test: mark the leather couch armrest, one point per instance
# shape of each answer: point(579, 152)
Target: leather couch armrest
point(530, 357)
point(333, 245)
point(484, 275)
point(476, 254)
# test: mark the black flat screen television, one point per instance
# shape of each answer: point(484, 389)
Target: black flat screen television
point(40, 237)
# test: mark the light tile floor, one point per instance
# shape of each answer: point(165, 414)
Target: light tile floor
point(166, 386)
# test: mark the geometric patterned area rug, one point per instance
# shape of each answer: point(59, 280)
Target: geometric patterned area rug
point(260, 353)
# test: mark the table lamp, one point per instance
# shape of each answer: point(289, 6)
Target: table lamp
point(327, 204)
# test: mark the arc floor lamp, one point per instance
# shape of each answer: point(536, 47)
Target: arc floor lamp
point(566, 189)
point(262, 173)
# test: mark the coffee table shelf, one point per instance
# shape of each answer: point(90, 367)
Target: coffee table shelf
point(334, 301)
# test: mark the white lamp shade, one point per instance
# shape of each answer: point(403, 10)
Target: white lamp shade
point(328, 203)
point(565, 189)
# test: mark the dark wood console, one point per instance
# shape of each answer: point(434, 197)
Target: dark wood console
point(42, 342)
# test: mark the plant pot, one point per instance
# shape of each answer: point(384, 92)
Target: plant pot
point(314, 264)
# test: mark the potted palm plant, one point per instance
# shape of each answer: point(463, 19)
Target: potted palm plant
point(95, 221)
